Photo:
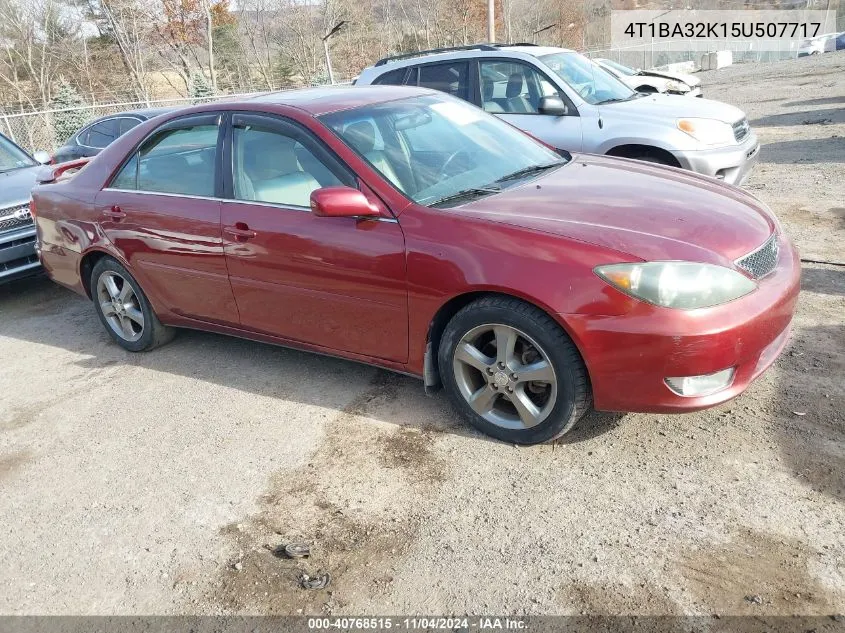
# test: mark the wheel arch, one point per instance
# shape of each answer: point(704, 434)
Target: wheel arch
point(89, 260)
point(631, 150)
point(444, 314)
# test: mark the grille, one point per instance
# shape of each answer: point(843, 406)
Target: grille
point(15, 217)
point(741, 129)
point(762, 261)
point(18, 263)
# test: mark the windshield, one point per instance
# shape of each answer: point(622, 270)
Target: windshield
point(435, 147)
point(623, 70)
point(591, 81)
point(12, 156)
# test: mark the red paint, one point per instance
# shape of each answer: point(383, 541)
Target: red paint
point(368, 288)
point(341, 202)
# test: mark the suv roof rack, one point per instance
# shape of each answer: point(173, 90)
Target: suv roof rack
point(448, 49)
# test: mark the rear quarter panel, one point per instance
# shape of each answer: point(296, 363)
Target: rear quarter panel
point(66, 230)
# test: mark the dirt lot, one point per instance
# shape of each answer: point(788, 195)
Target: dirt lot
point(160, 483)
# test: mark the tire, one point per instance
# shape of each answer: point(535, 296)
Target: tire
point(647, 90)
point(124, 309)
point(470, 343)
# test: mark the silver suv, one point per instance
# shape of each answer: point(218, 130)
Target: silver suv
point(18, 257)
point(571, 103)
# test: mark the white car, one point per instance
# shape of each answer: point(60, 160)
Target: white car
point(817, 45)
point(653, 80)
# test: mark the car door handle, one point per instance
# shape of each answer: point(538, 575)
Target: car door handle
point(240, 231)
point(114, 213)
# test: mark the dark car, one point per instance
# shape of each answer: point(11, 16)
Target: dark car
point(100, 133)
point(408, 229)
point(18, 172)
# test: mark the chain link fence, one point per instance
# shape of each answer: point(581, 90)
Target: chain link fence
point(36, 131)
point(660, 54)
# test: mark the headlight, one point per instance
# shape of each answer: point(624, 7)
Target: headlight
point(708, 132)
point(681, 285)
point(677, 86)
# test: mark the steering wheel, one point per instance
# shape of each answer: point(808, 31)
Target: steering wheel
point(588, 91)
point(454, 155)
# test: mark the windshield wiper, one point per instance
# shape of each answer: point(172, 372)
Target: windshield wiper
point(531, 170)
point(612, 100)
point(466, 193)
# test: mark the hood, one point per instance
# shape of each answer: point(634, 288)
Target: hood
point(646, 211)
point(670, 107)
point(690, 80)
point(16, 185)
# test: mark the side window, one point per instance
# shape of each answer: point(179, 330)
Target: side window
point(179, 159)
point(102, 134)
point(450, 78)
point(127, 178)
point(509, 87)
point(393, 78)
point(274, 163)
point(126, 124)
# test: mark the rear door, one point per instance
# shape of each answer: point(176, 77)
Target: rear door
point(162, 212)
point(334, 282)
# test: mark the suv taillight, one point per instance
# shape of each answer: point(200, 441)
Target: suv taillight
point(32, 208)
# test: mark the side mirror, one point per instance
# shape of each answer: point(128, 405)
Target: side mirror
point(341, 202)
point(42, 157)
point(553, 106)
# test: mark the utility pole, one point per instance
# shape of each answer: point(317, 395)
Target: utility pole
point(325, 39)
point(491, 21)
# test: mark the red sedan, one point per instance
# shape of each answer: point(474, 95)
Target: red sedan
point(407, 229)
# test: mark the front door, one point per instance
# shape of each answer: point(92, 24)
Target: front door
point(161, 211)
point(512, 91)
point(334, 282)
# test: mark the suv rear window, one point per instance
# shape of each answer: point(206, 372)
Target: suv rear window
point(450, 78)
point(393, 78)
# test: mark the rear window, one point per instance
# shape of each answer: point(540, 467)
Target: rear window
point(450, 78)
point(393, 78)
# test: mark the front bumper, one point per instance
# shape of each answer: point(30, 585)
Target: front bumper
point(732, 164)
point(18, 256)
point(629, 356)
point(693, 92)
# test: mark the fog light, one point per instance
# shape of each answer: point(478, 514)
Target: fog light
point(691, 386)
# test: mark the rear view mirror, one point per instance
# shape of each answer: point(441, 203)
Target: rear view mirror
point(341, 202)
point(553, 106)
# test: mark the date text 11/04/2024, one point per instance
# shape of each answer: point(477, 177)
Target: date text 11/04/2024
point(724, 30)
point(484, 623)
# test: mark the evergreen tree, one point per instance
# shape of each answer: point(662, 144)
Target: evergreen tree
point(199, 89)
point(66, 122)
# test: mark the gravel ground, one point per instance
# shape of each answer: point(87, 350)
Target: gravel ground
point(161, 483)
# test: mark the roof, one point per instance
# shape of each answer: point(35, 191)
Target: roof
point(141, 113)
point(324, 99)
point(537, 51)
point(458, 52)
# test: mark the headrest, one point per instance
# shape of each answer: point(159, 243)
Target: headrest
point(515, 85)
point(362, 136)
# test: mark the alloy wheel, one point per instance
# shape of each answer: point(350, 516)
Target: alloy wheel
point(120, 306)
point(505, 376)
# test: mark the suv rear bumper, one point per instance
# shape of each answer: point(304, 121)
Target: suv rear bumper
point(732, 164)
point(18, 255)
